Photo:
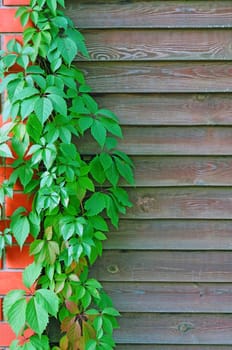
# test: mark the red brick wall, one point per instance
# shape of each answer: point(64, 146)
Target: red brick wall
point(15, 260)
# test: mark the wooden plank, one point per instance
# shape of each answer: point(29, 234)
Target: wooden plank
point(169, 109)
point(180, 203)
point(182, 171)
point(171, 297)
point(169, 141)
point(171, 235)
point(164, 266)
point(158, 45)
point(175, 329)
point(150, 14)
point(158, 76)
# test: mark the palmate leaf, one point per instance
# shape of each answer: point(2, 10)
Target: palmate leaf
point(98, 132)
point(49, 300)
point(5, 151)
point(17, 316)
point(20, 226)
point(31, 273)
point(68, 49)
point(95, 204)
point(43, 109)
point(36, 316)
point(10, 299)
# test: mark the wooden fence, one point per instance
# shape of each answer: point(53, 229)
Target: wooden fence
point(165, 68)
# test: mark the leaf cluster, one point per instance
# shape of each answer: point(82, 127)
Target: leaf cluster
point(48, 112)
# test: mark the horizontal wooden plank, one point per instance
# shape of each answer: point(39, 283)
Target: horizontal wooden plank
point(169, 141)
point(171, 347)
point(180, 203)
point(158, 45)
point(158, 76)
point(175, 329)
point(164, 266)
point(171, 235)
point(182, 171)
point(169, 109)
point(150, 14)
point(171, 297)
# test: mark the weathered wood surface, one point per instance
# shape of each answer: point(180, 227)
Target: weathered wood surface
point(182, 171)
point(180, 203)
point(164, 68)
point(171, 297)
point(169, 109)
point(171, 235)
point(164, 266)
point(150, 14)
point(158, 45)
point(169, 141)
point(175, 329)
point(158, 76)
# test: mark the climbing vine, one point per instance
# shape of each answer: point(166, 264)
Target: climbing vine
point(48, 116)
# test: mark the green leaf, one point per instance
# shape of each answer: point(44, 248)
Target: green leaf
point(99, 223)
point(34, 128)
point(49, 301)
point(98, 132)
point(5, 151)
point(53, 6)
point(59, 104)
point(110, 311)
point(106, 161)
point(85, 123)
point(95, 204)
point(91, 345)
point(26, 93)
point(31, 274)
point(27, 106)
point(125, 170)
point(111, 126)
point(97, 171)
point(17, 315)
point(41, 343)
point(90, 103)
point(43, 109)
point(36, 316)
point(112, 175)
point(100, 236)
point(20, 227)
point(34, 220)
point(25, 174)
point(68, 49)
point(10, 299)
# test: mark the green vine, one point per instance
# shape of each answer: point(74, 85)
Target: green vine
point(47, 113)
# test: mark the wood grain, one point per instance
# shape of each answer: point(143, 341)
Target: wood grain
point(158, 76)
point(171, 297)
point(171, 235)
point(158, 45)
point(164, 266)
point(175, 329)
point(169, 109)
point(150, 14)
point(169, 141)
point(180, 203)
point(182, 171)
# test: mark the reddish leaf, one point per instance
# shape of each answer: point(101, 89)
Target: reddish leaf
point(67, 323)
point(72, 307)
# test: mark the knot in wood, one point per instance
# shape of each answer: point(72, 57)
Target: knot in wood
point(185, 327)
point(146, 203)
point(113, 268)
